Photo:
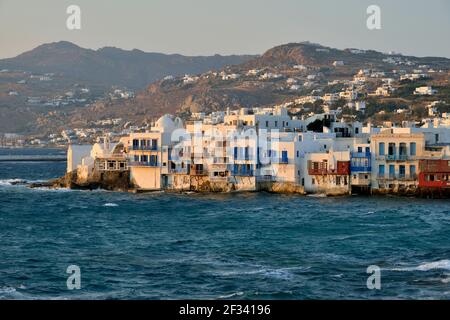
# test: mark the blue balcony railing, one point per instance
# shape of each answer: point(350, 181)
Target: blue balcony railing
point(363, 162)
point(144, 148)
point(366, 154)
point(394, 157)
point(360, 168)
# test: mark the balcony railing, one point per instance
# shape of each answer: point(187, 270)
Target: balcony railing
point(360, 168)
point(144, 148)
point(143, 164)
point(179, 171)
point(366, 154)
point(393, 157)
point(401, 177)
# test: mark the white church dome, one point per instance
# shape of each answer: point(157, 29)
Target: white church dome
point(165, 123)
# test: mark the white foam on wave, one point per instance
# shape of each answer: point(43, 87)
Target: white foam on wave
point(110, 205)
point(231, 295)
point(52, 189)
point(427, 266)
point(10, 182)
point(278, 273)
point(11, 293)
point(317, 195)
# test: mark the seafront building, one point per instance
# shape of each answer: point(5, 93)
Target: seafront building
point(266, 149)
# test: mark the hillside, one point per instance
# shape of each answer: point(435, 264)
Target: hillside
point(280, 75)
point(259, 82)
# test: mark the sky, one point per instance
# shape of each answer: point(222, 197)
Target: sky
point(206, 27)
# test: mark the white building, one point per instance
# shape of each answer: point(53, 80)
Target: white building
point(425, 91)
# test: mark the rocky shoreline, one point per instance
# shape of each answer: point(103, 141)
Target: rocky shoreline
point(119, 182)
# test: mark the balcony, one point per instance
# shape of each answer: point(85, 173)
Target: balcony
point(366, 154)
point(393, 157)
point(360, 168)
point(144, 148)
point(399, 177)
point(143, 164)
point(360, 162)
point(179, 171)
point(321, 168)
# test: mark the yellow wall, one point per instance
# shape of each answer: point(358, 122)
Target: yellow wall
point(146, 178)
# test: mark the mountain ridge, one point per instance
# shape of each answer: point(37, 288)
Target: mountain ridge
point(255, 82)
point(113, 66)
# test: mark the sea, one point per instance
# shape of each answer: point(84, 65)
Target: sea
point(214, 246)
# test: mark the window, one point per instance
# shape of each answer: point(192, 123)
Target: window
point(402, 149)
point(359, 149)
point(247, 153)
point(284, 156)
point(276, 123)
point(154, 144)
point(391, 149)
point(391, 170)
point(356, 130)
point(412, 170)
point(313, 181)
point(267, 124)
point(381, 149)
point(367, 149)
point(402, 171)
point(412, 148)
point(298, 153)
point(381, 170)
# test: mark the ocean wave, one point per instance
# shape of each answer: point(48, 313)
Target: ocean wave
point(12, 293)
point(12, 182)
point(280, 273)
point(110, 205)
point(317, 195)
point(427, 266)
point(231, 295)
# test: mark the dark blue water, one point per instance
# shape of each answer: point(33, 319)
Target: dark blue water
point(240, 246)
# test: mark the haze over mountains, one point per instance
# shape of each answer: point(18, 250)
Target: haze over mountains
point(109, 66)
point(216, 82)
